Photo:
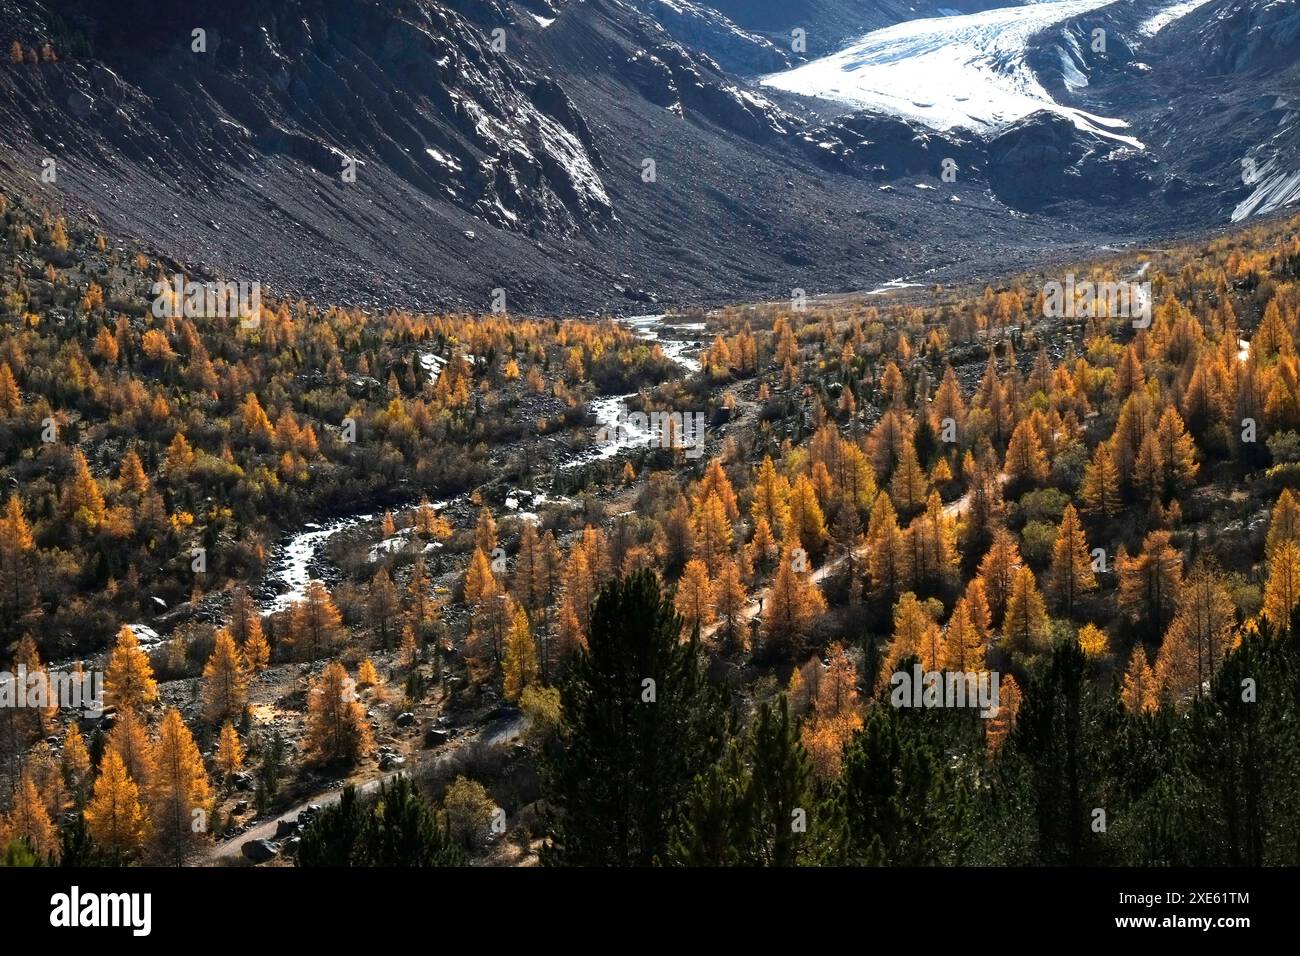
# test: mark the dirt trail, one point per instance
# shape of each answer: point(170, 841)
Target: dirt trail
point(752, 609)
point(501, 731)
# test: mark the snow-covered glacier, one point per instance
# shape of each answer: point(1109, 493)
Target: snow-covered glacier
point(967, 71)
point(1175, 11)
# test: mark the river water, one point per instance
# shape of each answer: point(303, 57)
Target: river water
point(291, 564)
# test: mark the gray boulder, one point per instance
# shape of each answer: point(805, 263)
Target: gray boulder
point(260, 851)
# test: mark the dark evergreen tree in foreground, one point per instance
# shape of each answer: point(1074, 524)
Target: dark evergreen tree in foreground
point(779, 792)
point(1061, 742)
point(1230, 797)
point(336, 836)
point(18, 853)
point(663, 779)
point(397, 828)
point(903, 801)
point(755, 807)
point(640, 724)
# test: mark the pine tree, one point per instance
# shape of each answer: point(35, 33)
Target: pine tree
point(225, 680)
point(180, 796)
point(762, 546)
point(337, 730)
point(896, 799)
point(932, 542)
point(429, 525)
point(716, 482)
point(998, 570)
point(115, 818)
point(941, 473)
point(257, 426)
point(987, 508)
point(243, 616)
point(131, 476)
point(485, 532)
point(421, 609)
point(179, 459)
point(367, 674)
point(481, 584)
point(28, 820)
point(1065, 735)
point(599, 556)
point(76, 761)
point(963, 646)
point(315, 624)
point(977, 603)
point(779, 787)
point(1178, 465)
point(520, 668)
point(639, 724)
point(1284, 523)
point(1151, 583)
point(1071, 572)
point(408, 653)
point(712, 530)
point(1200, 636)
point(570, 634)
point(492, 621)
point(1024, 627)
point(794, 603)
point(43, 767)
point(837, 691)
point(729, 599)
point(807, 524)
point(1129, 374)
point(396, 828)
point(230, 752)
point(41, 715)
point(11, 401)
point(915, 634)
point(129, 741)
point(1272, 338)
point(888, 557)
point(1139, 695)
point(754, 807)
point(404, 831)
point(82, 501)
point(1026, 464)
point(694, 600)
point(545, 589)
point(17, 549)
point(948, 402)
point(383, 604)
point(1136, 420)
point(836, 714)
point(1282, 591)
point(529, 579)
point(128, 675)
point(1092, 641)
point(771, 501)
point(998, 727)
point(1101, 484)
point(908, 487)
point(256, 651)
point(715, 827)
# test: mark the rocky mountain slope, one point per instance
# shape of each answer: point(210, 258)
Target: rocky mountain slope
point(829, 25)
point(608, 154)
point(1210, 88)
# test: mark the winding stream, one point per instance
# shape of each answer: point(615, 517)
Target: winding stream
point(610, 411)
point(290, 568)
